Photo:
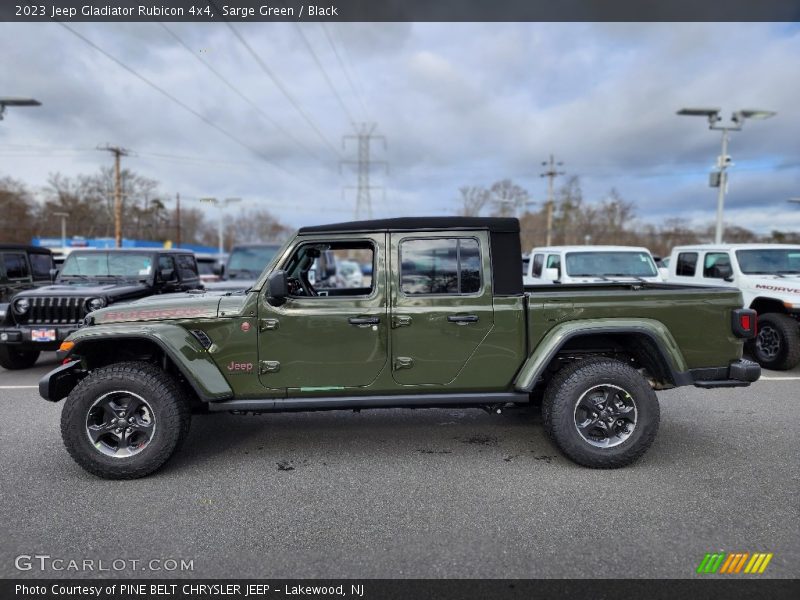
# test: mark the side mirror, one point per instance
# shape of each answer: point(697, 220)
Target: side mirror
point(277, 287)
point(551, 274)
point(728, 278)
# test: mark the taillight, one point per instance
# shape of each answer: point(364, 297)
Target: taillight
point(744, 323)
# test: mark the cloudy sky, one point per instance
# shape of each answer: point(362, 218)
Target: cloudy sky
point(459, 104)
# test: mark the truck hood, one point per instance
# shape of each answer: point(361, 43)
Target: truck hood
point(789, 285)
point(162, 308)
point(112, 289)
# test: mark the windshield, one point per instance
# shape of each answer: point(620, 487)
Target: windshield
point(133, 265)
point(249, 261)
point(610, 264)
point(770, 261)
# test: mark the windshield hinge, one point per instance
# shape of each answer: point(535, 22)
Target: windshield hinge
point(269, 366)
point(403, 362)
point(265, 324)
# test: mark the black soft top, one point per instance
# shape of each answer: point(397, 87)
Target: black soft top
point(506, 253)
point(26, 248)
point(493, 224)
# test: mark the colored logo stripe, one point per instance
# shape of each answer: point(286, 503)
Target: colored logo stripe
point(734, 562)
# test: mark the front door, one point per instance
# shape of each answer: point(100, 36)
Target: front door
point(441, 303)
point(332, 332)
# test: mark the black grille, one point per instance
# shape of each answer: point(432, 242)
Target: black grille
point(56, 311)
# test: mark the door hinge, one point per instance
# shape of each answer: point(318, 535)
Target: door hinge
point(400, 321)
point(403, 362)
point(265, 324)
point(269, 366)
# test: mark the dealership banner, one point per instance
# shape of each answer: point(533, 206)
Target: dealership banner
point(400, 10)
point(416, 589)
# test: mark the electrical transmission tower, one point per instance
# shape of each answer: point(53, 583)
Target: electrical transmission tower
point(551, 174)
point(365, 133)
point(117, 152)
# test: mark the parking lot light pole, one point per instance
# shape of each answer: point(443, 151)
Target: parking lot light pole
point(64, 216)
point(719, 179)
point(221, 203)
point(6, 101)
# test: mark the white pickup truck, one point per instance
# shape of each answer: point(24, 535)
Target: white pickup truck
point(590, 264)
point(768, 276)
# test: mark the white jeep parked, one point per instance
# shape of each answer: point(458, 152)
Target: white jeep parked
point(768, 276)
point(590, 264)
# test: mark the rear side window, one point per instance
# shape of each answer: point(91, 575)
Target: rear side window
point(41, 265)
point(16, 266)
point(686, 265)
point(538, 263)
point(187, 267)
point(717, 265)
point(440, 266)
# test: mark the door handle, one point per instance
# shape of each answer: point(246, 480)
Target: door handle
point(462, 319)
point(364, 320)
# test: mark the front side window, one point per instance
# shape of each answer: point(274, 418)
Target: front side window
point(717, 265)
point(686, 265)
point(16, 265)
point(41, 265)
point(337, 268)
point(440, 266)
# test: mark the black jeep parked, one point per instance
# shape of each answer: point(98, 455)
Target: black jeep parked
point(39, 319)
point(23, 267)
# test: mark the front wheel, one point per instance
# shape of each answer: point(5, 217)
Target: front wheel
point(601, 413)
point(777, 345)
point(125, 420)
point(14, 359)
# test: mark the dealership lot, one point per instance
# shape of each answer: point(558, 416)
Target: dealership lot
point(400, 493)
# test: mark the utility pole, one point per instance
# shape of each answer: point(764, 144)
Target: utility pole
point(63, 216)
point(117, 152)
point(220, 231)
point(551, 173)
point(178, 220)
point(364, 135)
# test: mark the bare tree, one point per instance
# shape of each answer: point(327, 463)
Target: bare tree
point(508, 198)
point(474, 199)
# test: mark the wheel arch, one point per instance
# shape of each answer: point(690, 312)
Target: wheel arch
point(171, 346)
point(646, 341)
point(763, 305)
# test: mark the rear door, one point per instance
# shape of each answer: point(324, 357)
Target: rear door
point(441, 303)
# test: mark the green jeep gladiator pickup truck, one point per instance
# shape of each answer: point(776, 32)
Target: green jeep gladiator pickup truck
point(443, 321)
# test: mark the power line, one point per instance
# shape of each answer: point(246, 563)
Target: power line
point(325, 74)
point(364, 135)
point(344, 69)
point(280, 85)
point(174, 99)
point(239, 93)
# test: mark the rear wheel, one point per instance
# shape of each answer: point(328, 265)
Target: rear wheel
point(14, 359)
point(777, 345)
point(601, 413)
point(125, 421)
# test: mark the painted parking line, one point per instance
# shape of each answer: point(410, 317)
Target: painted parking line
point(19, 387)
point(787, 378)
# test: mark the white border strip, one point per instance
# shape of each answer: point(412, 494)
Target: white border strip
point(787, 378)
point(19, 387)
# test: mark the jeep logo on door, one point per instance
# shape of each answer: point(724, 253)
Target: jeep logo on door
point(236, 367)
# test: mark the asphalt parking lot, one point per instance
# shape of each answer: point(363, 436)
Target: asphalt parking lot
point(399, 493)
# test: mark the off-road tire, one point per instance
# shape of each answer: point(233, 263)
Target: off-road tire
point(13, 359)
point(161, 391)
point(563, 394)
point(788, 332)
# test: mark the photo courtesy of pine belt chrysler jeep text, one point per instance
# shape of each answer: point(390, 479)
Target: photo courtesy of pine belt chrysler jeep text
point(443, 321)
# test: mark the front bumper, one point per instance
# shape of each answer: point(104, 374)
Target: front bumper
point(740, 373)
point(24, 335)
point(59, 382)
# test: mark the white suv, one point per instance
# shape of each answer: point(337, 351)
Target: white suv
point(768, 276)
point(590, 264)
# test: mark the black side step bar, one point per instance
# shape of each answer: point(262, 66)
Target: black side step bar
point(348, 402)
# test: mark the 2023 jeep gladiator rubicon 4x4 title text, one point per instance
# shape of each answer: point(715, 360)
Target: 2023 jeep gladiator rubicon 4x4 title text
point(444, 321)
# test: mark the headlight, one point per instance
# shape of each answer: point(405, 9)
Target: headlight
point(22, 305)
point(95, 303)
